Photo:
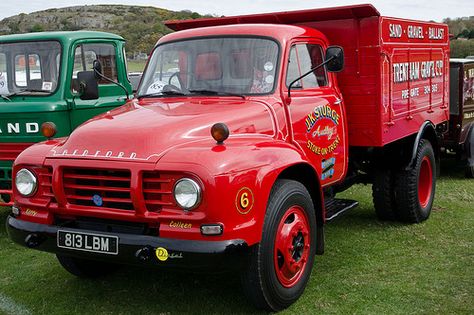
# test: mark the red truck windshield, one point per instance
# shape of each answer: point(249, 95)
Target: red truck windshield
point(236, 65)
point(29, 67)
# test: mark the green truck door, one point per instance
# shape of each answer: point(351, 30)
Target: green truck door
point(110, 95)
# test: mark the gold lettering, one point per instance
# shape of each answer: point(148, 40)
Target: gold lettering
point(180, 225)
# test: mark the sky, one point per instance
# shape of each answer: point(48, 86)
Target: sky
point(412, 9)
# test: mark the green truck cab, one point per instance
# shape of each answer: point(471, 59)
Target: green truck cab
point(39, 84)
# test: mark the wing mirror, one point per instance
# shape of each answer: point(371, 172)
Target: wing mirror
point(334, 59)
point(88, 85)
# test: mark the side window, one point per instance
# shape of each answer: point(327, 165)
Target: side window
point(84, 57)
point(293, 69)
point(307, 57)
point(28, 69)
point(3, 74)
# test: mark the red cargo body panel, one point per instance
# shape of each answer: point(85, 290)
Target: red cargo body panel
point(396, 70)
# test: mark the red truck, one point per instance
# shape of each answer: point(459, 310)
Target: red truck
point(243, 131)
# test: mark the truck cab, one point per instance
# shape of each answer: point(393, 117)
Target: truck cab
point(39, 84)
point(231, 155)
point(460, 139)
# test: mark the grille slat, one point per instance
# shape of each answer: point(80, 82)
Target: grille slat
point(159, 203)
point(97, 188)
point(10, 151)
point(157, 190)
point(156, 180)
point(112, 186)
point(96, 177)
point(46, 183)
point(105, 199)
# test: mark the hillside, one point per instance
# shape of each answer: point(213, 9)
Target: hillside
point(463, 30)
point(140, 26)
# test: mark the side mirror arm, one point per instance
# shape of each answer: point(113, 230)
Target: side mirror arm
point(99, 75)
point(308, 73)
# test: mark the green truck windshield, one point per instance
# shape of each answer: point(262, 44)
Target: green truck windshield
point(29, 68)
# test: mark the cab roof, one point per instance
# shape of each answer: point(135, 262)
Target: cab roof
point(279, 32)
point(60, 36)
point(461, 60)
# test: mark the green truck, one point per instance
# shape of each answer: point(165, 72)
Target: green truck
point(40, 89)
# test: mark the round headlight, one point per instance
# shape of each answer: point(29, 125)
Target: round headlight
point(187, 193)
point(26, 182)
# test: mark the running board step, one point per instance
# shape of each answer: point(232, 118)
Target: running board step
point(335, 207)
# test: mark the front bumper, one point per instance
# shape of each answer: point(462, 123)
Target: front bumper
point(136, 249)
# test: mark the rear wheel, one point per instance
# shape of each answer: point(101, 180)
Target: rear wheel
point(279, 267)
point(415, 188)
point(470, 171)
point(469, 146)
point(84, 268)
point(383, 195)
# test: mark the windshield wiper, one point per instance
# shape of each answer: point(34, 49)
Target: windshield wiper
point(31, 90)
point(162, 93)
point(6, 97)
point(219, 93)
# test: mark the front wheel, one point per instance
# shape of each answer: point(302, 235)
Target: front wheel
point(415, 188)
point(84, 268)
point(279, 267)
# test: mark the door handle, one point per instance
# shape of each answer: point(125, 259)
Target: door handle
point(337, 101)
point(121, 99)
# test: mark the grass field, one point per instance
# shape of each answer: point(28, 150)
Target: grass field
point(136, 65)
point(370, 267)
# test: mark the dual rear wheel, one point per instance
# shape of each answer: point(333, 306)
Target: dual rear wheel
point(407, 195)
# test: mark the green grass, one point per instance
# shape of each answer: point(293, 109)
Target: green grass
point(136, 65)
point(370, 267)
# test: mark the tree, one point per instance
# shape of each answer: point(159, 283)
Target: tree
point(37, 28)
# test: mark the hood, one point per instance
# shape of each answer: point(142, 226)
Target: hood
point(145, 130)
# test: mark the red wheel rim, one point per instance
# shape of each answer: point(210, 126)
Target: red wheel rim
point(292, 245)
point(425, 182)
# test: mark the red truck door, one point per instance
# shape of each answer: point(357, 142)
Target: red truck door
point(316, 113)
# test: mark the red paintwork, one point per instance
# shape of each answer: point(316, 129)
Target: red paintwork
point(170, 137)
point(292, 246)
point(425, 183)
point(376, 112)
point(9, 152)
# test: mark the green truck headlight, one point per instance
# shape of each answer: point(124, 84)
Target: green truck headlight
point(26, 182)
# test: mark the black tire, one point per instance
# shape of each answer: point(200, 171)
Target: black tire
point(260, 281)
point(470, 171)
point(469, 148)
point(84, 268)
point(383, 194)
point(414, 203)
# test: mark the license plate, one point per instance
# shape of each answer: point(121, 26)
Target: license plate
point(88, 242)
